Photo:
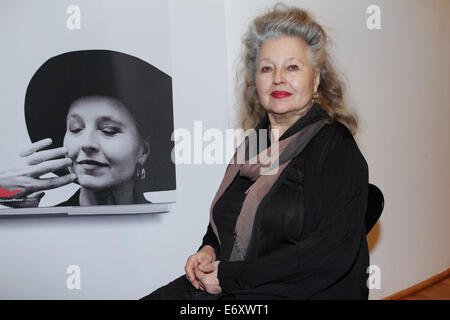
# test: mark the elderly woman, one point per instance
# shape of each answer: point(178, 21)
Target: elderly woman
point(298, 233)
point(101, 109)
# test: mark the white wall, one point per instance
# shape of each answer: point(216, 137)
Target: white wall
point(398, 79)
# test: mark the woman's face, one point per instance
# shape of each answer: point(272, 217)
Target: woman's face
point(285, 77)
point(103, 142)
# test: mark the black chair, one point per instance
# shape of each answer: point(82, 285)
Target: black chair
point(375, 206)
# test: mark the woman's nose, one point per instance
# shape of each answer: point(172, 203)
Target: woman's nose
point(278, 76)
point(89, 141)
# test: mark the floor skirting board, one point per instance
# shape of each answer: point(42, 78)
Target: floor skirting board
point(419, 287)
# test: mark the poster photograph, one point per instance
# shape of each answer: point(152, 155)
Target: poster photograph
point(87, 113)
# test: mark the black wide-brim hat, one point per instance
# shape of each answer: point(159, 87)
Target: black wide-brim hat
point(145, 90)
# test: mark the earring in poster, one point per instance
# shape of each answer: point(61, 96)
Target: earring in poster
point(140, 172)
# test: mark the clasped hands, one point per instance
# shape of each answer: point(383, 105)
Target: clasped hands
point(201, 270)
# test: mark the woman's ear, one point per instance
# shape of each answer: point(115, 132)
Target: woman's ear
point(316, 80)
point(144, 151)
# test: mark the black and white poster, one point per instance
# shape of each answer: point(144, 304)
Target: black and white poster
point(87, 112)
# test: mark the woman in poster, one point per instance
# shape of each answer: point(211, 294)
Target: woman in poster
point(105, 110)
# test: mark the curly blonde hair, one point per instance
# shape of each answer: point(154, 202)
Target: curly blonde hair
point(282, 21)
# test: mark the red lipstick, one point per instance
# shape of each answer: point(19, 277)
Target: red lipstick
point(280, 94)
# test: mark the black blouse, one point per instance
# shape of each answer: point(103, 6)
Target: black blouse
point(226, 212)
point(308, 240)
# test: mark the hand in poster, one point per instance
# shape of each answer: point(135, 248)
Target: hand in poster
point(23, 181)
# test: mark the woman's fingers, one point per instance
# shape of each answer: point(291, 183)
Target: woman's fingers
point(33, 164)
point(52, 183)
point(46, 155)
point(206, 268)
point(48, 166)
point(36, 146)
point(198, 275)
point(189, 268)
point(29, 185)
point(196, 284)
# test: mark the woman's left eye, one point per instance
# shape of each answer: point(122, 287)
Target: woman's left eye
point(293, 68)
point(110, 131)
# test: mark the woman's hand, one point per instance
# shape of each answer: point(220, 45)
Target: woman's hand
point(24, 180)
point(207, 275)
point(204, 256)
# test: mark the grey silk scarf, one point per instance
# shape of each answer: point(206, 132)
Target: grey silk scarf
point(264, 169)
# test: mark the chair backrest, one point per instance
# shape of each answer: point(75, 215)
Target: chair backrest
point(375, 206)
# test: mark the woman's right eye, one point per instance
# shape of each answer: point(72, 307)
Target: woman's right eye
point(266, 69)
point(75, 130)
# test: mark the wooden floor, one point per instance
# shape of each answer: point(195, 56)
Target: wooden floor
point(437, 291)
point(435, 288)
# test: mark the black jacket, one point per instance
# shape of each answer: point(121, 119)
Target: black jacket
point(308, 240)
